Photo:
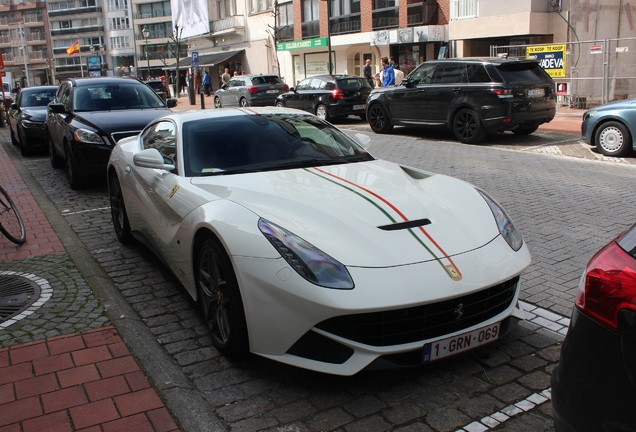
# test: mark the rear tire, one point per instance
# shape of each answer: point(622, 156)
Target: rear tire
point(243, 103)
point(219, 298)
point(323, 112)
point(280, 104)
point(379, 119)
point(71, 171)
point(217, 102)
point(467, 127)
point(613, 139)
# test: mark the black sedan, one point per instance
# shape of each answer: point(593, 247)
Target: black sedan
point(594, 384)
point(329, 96)
point(89, 116)
point(26, 118)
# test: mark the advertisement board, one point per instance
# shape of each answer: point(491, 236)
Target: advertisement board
point(551, 57)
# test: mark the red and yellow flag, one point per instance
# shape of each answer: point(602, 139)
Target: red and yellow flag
point(74, 48)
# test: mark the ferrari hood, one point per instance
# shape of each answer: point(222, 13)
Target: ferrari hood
point(366, 214)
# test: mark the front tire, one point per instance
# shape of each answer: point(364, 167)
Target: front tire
point(217, 102)
point(220, 299)
point(280, 104)
point(54, 158)
point(243, 103)
point(379, 119)
point(118, 210)
point(467, 127)
point(71, 171)
point(613, 139)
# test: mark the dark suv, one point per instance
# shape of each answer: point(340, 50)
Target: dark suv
point(329, 96)
point(470, 96)
point(89, 116)
point(249, 90)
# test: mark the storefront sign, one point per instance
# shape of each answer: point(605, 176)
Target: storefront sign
point(302, 44)
point(551, 58)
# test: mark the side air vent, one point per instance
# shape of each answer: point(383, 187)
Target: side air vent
point(405, 225)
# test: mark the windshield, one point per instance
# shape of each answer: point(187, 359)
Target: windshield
point(37, 99)
point(118, 96)
point(249, 143)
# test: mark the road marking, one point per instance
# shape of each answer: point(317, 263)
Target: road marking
point(69, 213)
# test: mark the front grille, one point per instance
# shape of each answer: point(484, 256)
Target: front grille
point(121, 135)
point(395, 327)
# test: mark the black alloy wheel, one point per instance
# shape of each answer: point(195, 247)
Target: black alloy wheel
point(118, 209)
point(378, 119)
point(71, 170)
point(54, 158)
point(467, 127)
point(219, 298)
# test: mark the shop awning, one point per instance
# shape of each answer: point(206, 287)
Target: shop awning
point(206, 60)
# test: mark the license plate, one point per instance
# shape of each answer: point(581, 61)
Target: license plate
point(272, 91)
point(359, 107)
point(460, 343)
point(536, 92)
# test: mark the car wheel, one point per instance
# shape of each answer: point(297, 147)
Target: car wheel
point(280, 104)
point(25, 150)
point(54, 158)
point(323, 112)
point(467, 126)
point(243, 103)
point(71, 170)
point(220, 300)
point(378, 119)
point(13, 140)
point(613, 139)
point(118, 209)
point(217, 102)
point(525, 130)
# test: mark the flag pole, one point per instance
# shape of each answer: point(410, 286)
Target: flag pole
point(81, 64)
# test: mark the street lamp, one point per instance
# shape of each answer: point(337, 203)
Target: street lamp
point(146, 33)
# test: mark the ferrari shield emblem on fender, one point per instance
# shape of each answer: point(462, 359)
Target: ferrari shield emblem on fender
point(453, 272)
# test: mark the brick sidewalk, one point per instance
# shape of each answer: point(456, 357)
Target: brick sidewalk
point(87, 381)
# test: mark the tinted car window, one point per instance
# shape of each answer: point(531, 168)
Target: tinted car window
point(423, 74)
point(477, 74)
point(266, 79)
point(352, 83)
point(522, 72)
point(450, 73)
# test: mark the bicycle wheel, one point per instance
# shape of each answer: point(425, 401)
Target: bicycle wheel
point(11, 223)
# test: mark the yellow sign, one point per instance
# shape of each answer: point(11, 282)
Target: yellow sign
point(551, 58)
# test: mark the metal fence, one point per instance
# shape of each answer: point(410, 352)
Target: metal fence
point(596, 72)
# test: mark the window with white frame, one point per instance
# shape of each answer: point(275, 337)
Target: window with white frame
point(260, 6)
point(117, 5)
point(461, 9)
point(122, 23)
point(120, 42)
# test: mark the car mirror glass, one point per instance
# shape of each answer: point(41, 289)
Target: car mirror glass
point(362, 139)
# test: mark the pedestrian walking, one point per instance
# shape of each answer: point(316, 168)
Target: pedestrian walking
point(172, 82)
point(388, 76)
point(368, 74)
point(399, 75)
point(225, 77)
point(206, 83)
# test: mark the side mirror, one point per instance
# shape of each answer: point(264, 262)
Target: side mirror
point(14, 106)
point(171, 102)
point(151, 158)
point(362, 139)
point(57, 108)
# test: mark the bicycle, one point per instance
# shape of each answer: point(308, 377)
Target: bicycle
point(11, 224)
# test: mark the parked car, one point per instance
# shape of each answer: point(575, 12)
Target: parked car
point(287, 233)
point(611, 127)
point(89, 116)
point(160, 87)
point(329, 96)
point(26, 118)
point(594, 384)
point(249, 90)
point(470, 96)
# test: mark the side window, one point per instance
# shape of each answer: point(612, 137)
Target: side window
point(63, 94)
point(316, 84)
point(450, 74)
point(163, 137)
point(304, 84)
point(423, 74)
point(477, 74)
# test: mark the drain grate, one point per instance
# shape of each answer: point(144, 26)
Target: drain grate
point(17, 293)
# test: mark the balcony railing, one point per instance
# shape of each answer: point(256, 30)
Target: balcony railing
point(227, 23)
point(75, 30)
point(311, 29)
point(153, 14)
point(385, 19)
point(345, 24)
point(285, 33)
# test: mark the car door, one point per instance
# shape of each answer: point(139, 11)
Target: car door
point(56, 122)
point(409, 103)
point(292, 99)
point(233, 93)
point(446, 91)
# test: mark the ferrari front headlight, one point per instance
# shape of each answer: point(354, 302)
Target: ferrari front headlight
point(307, 260)
point(504, 223)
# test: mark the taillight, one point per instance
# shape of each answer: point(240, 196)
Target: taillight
point(286, 87)
point(252, 89)
point(337, 94)
point(502, 92)
point(608, 286)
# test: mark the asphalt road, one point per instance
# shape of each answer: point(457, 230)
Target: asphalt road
point(566, 207)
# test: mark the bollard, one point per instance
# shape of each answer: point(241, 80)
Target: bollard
point(202, 101)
